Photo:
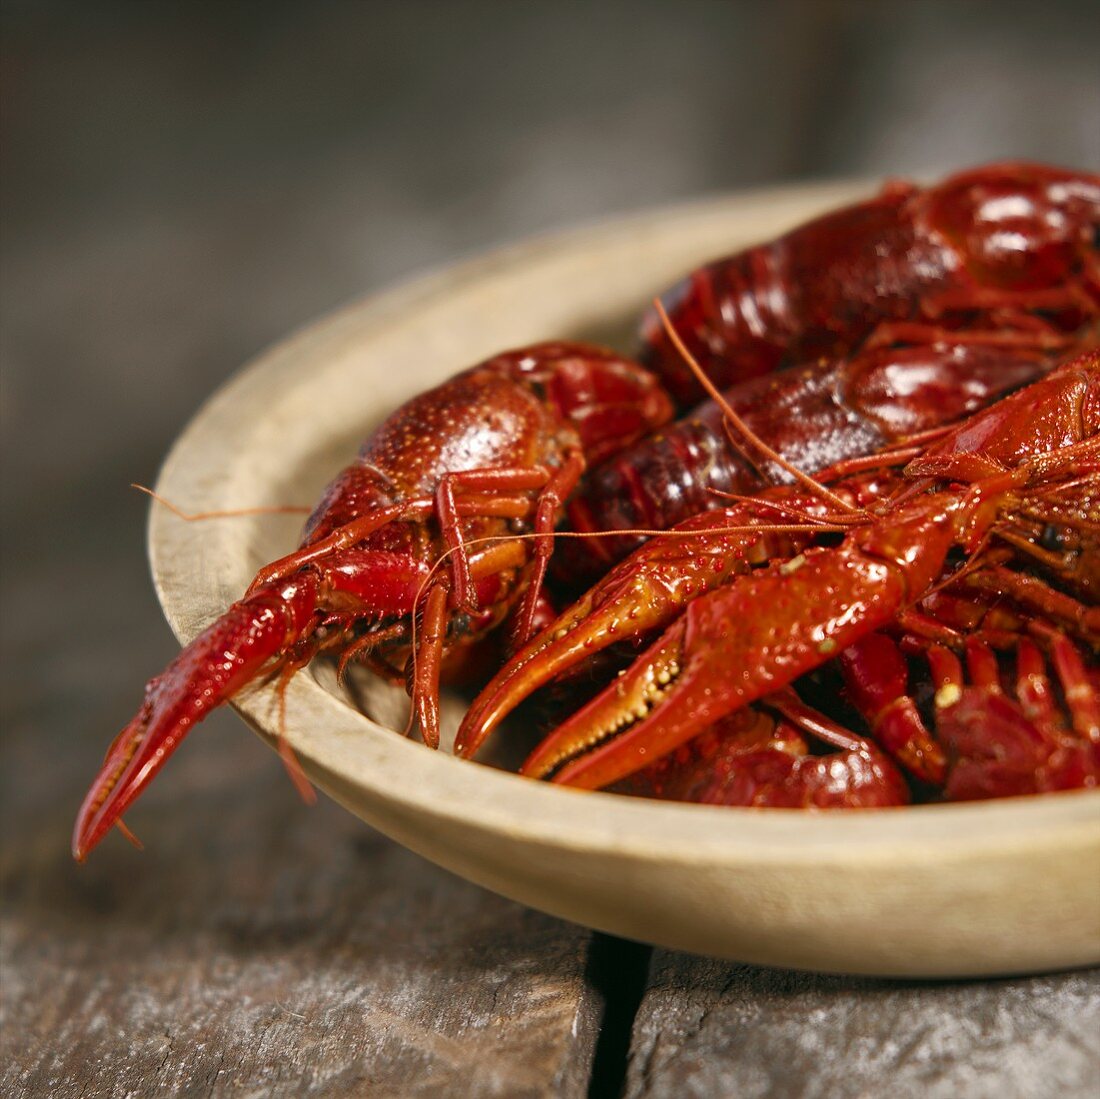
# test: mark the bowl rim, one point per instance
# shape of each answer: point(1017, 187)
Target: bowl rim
point(405, 774)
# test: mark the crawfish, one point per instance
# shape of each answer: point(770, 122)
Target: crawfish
point(748, 633)
point(996, 731)
point(1002, 255)
point(753, 757)
point(485, 458)
point(813, 416)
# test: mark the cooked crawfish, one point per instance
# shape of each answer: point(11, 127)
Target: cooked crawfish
point(748, 633)
point(813, 416)
point(754, 758)
point(1002, 255)
point(485, 458)
point(996, 730)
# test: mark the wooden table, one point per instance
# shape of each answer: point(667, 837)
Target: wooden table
point(180, 189)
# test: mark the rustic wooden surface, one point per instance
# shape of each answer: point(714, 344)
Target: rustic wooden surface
point(257, 947)
point(181, 185)
point(707, 1028)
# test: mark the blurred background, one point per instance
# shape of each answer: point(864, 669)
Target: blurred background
point(182, 184)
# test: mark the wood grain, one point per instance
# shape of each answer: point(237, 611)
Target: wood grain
point(708, 1028)
point(265, 948)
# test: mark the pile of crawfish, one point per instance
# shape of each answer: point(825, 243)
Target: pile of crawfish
point(863, 571)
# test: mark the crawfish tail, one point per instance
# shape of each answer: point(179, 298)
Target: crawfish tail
point(741, 316)
point(224, 658)
point(933, 260)
point(876, 678)
point(814, 416)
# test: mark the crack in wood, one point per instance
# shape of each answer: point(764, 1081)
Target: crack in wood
point(618, 971)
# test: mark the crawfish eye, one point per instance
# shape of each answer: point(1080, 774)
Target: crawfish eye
point(1052, 538)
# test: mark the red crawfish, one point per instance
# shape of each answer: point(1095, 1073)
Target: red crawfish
point(1008, 725)
point(1023, 718)
point(483, 459)
point(1003, 255)
point(752, 636)
point(813, 416)
point(754, 757)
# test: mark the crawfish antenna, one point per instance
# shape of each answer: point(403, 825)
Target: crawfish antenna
point(732, 417)
point(232, 513)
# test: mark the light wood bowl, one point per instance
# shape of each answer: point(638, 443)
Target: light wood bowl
point(984, 888)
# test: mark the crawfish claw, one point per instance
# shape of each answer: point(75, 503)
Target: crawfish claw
point(735, 645)
point(217, 664)
point(639, 596)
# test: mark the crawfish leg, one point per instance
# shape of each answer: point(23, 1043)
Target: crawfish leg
point(1036, 595)
point(1015, 308)
point(805, 718)
point(916, 332)
point(362, 648)
point(1073, 731)
point(549, 507)
point(948, 619)
point(1035, 691)
point(343, 538)
point(877, 680)
point(429, 657)
point(1081, 695)
point(490, 485)
point(553, 488)
point(1017, 321)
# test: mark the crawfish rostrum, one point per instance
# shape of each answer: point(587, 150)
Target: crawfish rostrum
point(917, 621)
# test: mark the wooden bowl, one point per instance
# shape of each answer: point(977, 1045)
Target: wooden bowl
point(998, 887)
